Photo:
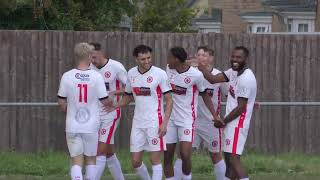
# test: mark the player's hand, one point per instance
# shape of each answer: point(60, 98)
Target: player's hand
point(162, 130)
point(219, 124)
point(109, 108)
point(202, 67)
point(192, 62)
point(112, 94)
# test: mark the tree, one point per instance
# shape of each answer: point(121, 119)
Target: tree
point(97, 15)
point(163, 16)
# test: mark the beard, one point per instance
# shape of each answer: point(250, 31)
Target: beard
point(237, 66)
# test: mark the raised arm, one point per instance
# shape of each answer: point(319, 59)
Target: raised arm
point(221, 77)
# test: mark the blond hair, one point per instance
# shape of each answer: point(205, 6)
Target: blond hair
point(82, 51)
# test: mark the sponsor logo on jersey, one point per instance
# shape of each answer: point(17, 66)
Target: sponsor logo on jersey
point(107, 74)
point(142, 91)
point(82, 77)
point(82, 115)
point(178, 89)
point(149, 79)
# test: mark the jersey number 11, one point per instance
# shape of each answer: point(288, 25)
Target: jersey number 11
point(83, 93)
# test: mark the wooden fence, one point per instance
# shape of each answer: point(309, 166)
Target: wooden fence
point(286, 67)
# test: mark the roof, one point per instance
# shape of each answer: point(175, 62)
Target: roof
point(292, 5)
point(257, 13)
point(205, 18)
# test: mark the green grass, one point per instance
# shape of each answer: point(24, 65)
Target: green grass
point(55, 165)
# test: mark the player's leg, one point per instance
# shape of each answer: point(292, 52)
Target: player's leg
point(156, 146)
point(212, 136)
point(171, 140)
point(177, 165)
point(138, 142)
point(230, 173)
point(75, 147)
point(106, 150)
point(235, 139)
point(90, 145)
point(185, 144)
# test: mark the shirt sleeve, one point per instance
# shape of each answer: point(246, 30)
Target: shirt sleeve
point(164, 84)
point(243, 88)
point(227, 74)
point(128, 89)
point(122, 74)
point(101, 88)
point(200, 84)
point(62, 92)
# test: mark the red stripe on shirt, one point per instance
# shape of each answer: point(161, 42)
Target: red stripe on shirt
point(194, 90)
point(159, 94)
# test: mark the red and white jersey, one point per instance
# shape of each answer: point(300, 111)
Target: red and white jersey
point(82, 89)
point(147, 89)
point(244, 86)
point(185, 91)
point(204, 116)
point(114, 75)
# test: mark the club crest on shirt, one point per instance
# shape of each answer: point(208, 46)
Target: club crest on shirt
point(154, 141)
point(107, 74)
point(149, 79)
point(187, 80)
point(103, 131)
point(214, 143)
point(227, 142)
point(186, 131)
point(231, 91)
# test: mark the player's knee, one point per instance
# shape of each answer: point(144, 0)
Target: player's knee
point(136, 163)
point(185, 155)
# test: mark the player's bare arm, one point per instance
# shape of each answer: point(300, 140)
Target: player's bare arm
point(62, 104)
point(236, 112)
point(210, 77)
point(127, 98)
point(208, 102)
point(167, 113)
point(119, 92)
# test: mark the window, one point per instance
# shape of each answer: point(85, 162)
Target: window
point(303, 28)
point(261, 29)
point(289, 25)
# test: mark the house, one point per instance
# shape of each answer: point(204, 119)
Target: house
point(257, 16)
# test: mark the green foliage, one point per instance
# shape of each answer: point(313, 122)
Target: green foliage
point(164, 16)
point(98, 15)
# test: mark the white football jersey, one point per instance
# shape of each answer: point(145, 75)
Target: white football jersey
point(114, 75)
point(82, 89)
point(204, 116)
point(244, 86)
point(147, 89)
point(185, 91)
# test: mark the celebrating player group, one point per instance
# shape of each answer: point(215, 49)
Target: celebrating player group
point(176, 110)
